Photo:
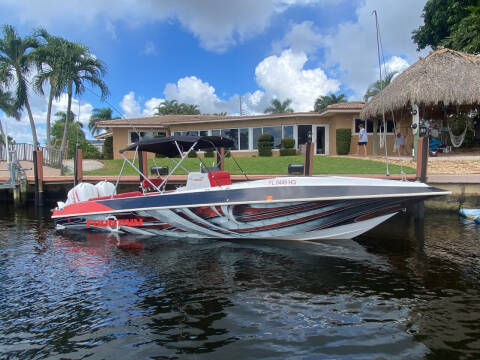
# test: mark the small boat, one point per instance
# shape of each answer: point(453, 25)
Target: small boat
point(472, 214)
point(211, 206)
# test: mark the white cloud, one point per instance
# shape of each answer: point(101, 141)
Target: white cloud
point(396, 64)
point(150, 48)
point(217, 24)
point(151, 105)
point(129, 105)
point(303, 37)
point(285, 77)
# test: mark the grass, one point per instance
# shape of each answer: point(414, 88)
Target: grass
point(265, 166)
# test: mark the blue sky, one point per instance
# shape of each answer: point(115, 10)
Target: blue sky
point(211, 52)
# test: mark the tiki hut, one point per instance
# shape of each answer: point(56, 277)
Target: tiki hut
point(443, 78)
point(444, 83)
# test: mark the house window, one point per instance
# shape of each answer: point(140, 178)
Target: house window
point(276, 132)
point(244, 139)
point(216, 132)
point(256, 133)
point(288, 131)
point(369, 126)
point(135, 136)
point(203, 132)
point(231, 134)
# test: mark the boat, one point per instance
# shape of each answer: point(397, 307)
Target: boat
point(211, 206)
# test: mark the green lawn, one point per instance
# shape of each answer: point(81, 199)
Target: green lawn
point(266, 165)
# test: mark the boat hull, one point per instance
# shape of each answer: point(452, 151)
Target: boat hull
point(282, 208)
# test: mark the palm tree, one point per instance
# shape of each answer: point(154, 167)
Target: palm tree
point(100, 114)
point(16, 60)
point(323, 101)
point(75, 130)
point(79, 66)
point(168, 107)
point(7, 106)
point(377, 86)
point(278, 107)
point(49, 60)
point(189, 109)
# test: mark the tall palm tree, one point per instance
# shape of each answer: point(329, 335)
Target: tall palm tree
point(168, 107)
point(377, 86)
point(278, 107)
point(49, 63)
point(323, 101)
point(79, 66)
point(100, 114)
point(16, 60)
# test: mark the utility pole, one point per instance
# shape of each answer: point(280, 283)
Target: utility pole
point(241, 106)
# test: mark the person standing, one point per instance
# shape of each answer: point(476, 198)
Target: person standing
point(400, 144)
point(362, 140)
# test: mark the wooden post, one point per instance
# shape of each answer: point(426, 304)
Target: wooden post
point(77, 167)
point(38, 173)
point(375, 139)
point(416, 130)
point(222, 159)
point(422, 159)
point(143, 164)
point(309, 150)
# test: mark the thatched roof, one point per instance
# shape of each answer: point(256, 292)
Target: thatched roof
point(445, 76)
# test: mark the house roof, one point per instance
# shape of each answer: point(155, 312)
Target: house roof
point(445, 77)
point(166, 120)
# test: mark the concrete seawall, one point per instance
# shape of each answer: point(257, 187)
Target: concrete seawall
point(465, 190)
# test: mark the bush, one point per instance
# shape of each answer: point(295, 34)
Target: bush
point(209, 153)
point(265, 145)
point(192, 154)
point(88, 150)
point(288, 152)
point(344, 138)
point(288, 143)
point(108, 148)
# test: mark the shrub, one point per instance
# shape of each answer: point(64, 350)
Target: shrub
point(344, 138)
point(288, 143)
point(265, 145)
point(209, 153)
point(288, 152)
point(192, 154)
point(108, 148)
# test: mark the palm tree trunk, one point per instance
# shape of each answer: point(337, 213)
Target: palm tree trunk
point(67, 119)
point(49, 113)
point(32, 124)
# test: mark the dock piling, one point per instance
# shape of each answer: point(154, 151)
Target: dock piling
point(77, 167)
point(38, 174)
point(309, 150)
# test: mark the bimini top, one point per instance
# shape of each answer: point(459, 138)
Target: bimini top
point(167, 146)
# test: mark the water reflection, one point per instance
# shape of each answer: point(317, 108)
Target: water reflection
point(396, 293)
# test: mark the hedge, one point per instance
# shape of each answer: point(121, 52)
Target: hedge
point(288, 152)
point(344, 138)
point(209, 153)
point(265, 144)
point(288, 143)
point(108, 148)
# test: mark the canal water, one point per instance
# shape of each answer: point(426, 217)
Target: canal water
point(400, 292)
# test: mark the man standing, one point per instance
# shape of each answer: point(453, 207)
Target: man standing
point(362, 140)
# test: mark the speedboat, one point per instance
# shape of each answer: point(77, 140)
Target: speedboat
point(211, 206)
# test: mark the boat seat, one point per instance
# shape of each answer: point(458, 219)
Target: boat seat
point(221, 178)
point(118, 196)
point(147, 186)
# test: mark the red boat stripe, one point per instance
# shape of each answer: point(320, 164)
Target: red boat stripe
point(81, 208)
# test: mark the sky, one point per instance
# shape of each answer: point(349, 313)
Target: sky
point(212, 52)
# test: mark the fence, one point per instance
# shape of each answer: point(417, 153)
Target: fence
point(24, 152)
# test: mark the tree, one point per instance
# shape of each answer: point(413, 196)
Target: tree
point(100, 114)
point(323, 101)
point(75, 135)
point(441, 21)
point(172, 107)
point(16, 60)
point(79, 66)
point(7, 105)
point(278, 107)
point(465, 35)
point(49, 63)
point(377, 86)
point(168, 107)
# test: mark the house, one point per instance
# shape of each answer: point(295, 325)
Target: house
point(245, 130)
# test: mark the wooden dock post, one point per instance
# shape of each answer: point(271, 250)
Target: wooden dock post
point(309, 150)
point(221, 162)
point(422, 158)
point(38, 174)
point(143, 164)
point(77, 167)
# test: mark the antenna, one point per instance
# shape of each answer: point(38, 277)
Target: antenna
point(381, 88)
